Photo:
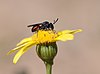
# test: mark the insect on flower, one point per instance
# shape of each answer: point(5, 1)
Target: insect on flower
point(45, 38)
point(43, 26)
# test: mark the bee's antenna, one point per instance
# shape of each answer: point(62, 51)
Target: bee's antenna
point(55, 21)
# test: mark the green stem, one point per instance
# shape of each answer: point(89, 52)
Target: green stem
point(48, 68)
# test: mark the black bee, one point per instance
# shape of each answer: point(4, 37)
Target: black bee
point(43, 26)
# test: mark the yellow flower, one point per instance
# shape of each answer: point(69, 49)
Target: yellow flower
point(41, 37)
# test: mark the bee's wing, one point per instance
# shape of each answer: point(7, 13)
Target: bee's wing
point(34, 25)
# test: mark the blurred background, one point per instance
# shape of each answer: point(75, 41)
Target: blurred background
point(79, 56)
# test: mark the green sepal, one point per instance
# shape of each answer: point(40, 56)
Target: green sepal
point(47, 52)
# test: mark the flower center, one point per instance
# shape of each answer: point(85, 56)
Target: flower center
point(44, 36)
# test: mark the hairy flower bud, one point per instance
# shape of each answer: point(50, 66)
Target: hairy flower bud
point(47, 51)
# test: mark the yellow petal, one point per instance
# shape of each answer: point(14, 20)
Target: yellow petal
point(69, 31)
point(75, 31)
point(20, 45)
point(24, 41)
point(22, 51)
point(17, 48)
point(65, 37)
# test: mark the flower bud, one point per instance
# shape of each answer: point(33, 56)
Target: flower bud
point(47, 51)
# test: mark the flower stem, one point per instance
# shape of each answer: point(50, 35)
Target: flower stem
point(48, 68)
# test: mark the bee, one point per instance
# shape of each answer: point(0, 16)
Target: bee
point(42, 26)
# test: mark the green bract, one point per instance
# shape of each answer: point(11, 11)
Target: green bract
point(47, 51)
